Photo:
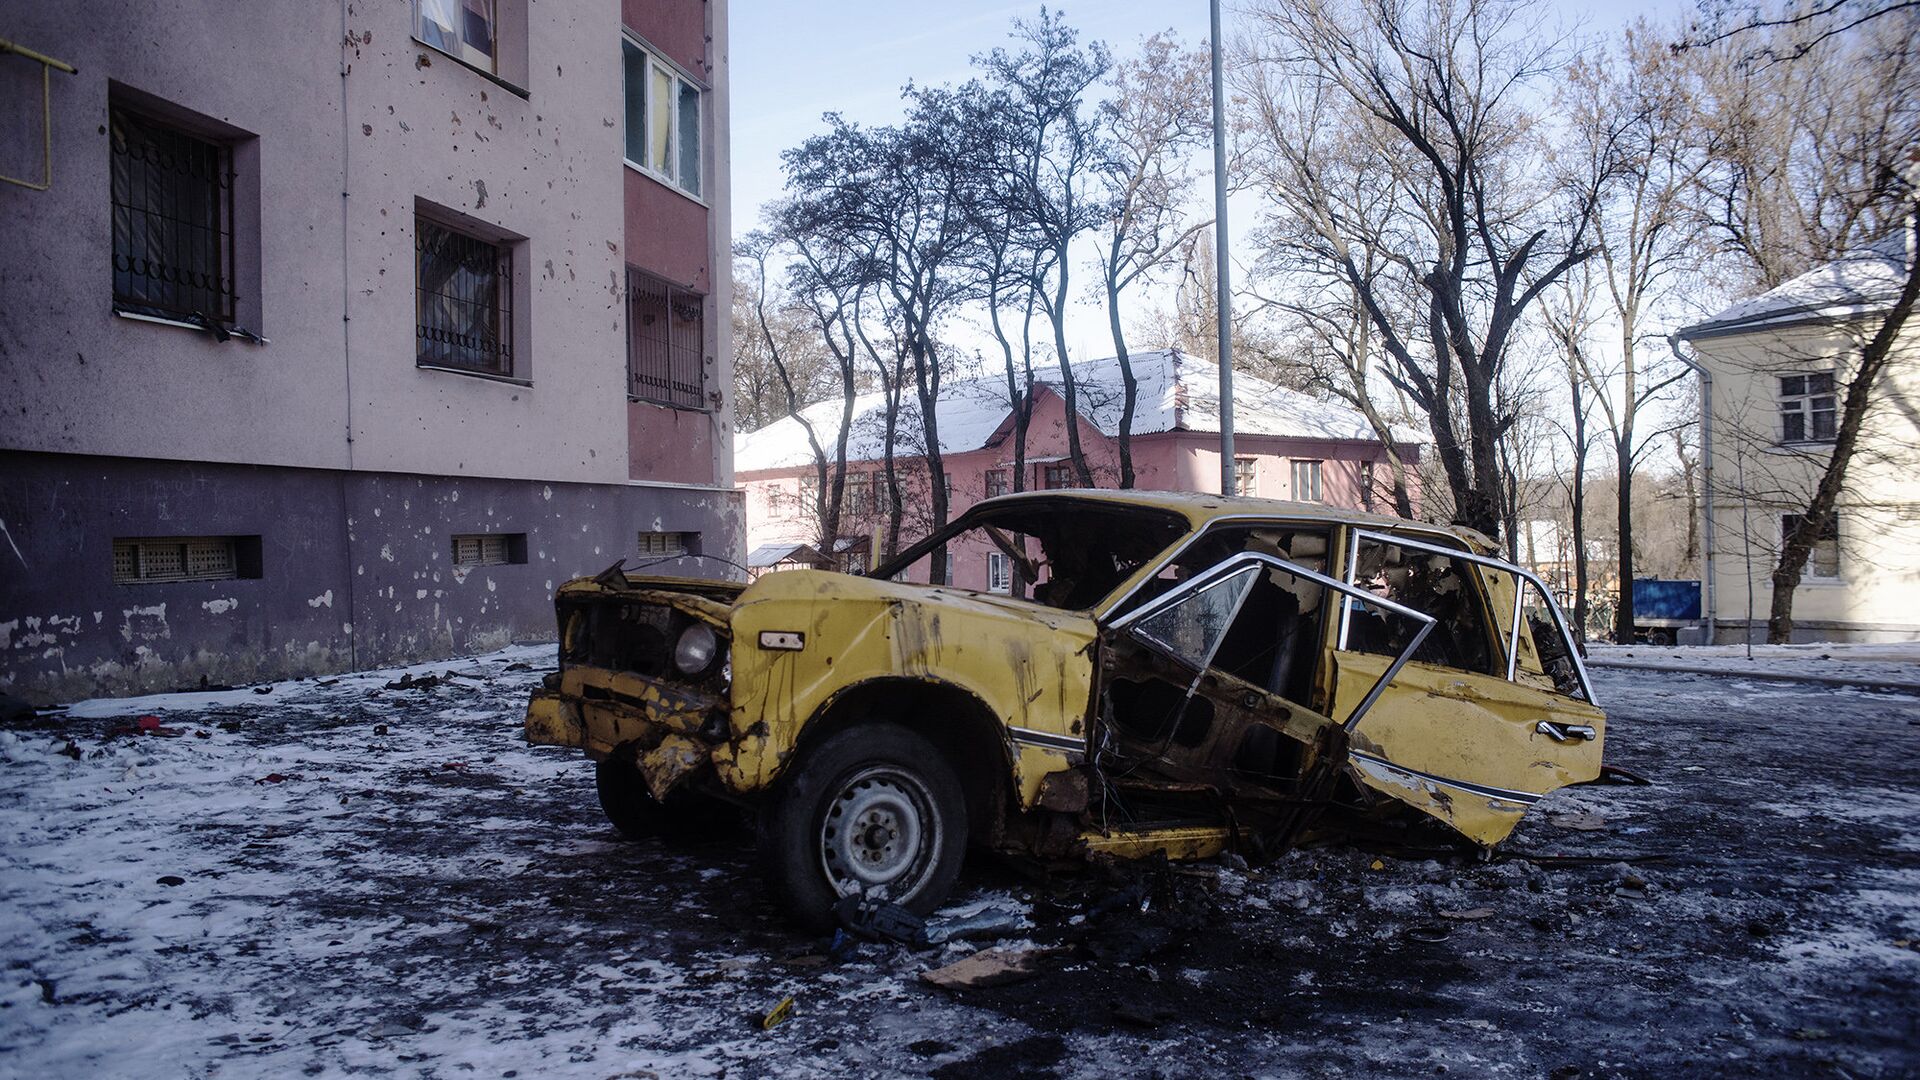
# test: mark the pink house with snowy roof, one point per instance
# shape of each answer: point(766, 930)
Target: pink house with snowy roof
point(1287, 445)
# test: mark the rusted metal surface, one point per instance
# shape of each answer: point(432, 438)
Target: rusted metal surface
point(1112, 743)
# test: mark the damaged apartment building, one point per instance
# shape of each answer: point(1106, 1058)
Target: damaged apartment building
point(337, 336)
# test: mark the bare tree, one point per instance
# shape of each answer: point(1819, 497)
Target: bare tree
point(1048, 190)
point(830, 469)
point(1436, 98)
point(1569, 319)
point(1157, 111)
point(1630, 111)
point(759, 396)
point(1804, 154)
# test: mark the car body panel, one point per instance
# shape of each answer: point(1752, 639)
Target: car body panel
point(1030, 667)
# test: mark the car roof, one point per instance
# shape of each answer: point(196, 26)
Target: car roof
point(1202, 509)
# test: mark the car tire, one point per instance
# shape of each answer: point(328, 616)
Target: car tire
point(874, 809)
point(625, 798)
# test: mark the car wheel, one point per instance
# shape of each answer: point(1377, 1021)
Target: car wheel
point(687, 816)
point(625, 798)
point(875, 811)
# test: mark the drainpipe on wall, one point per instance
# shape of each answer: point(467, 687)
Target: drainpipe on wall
point(1706, 479)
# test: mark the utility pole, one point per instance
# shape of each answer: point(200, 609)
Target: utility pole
point(1223, 303)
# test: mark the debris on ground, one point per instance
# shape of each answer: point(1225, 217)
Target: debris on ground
point(999, 966)
point(1770, 893)
point(777, 1015)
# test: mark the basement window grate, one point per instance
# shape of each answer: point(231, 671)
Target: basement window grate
point(153, 559)
point(489, 549)
point(662, 545)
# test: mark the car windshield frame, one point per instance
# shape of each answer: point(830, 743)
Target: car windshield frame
point(1182, 530)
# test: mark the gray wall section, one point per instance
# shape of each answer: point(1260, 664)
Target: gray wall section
point(357, 568)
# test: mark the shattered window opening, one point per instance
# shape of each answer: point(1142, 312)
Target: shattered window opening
point(1058, 556)
point(1552, 639)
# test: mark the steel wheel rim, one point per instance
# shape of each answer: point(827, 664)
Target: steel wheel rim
point(879, 833)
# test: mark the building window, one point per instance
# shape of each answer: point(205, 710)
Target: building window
point(463, 29)
point(999, 573)
point(1366, 485)
point(853, 562)
point(464, 299)
point(663, 119)
point(1824, 560)
point(139, 560)
point(1243, 476)
point(1055, 476)
point(490, 549)
point(854, 496)
point(997, 483)
point(667, 545)
point(172, 196)
point(1807, 407)
point(666, 342)
point(1306, 481)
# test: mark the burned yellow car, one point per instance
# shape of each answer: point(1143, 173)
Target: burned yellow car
point(1148, 673)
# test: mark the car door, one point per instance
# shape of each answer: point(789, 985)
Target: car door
point(1473, 730)
point(1206, 701)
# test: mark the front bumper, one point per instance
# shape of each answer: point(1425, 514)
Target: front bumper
point(673, 728)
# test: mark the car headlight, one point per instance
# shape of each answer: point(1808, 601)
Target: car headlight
point(697, 647)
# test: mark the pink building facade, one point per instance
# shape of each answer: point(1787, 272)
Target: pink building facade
point(1287, 446)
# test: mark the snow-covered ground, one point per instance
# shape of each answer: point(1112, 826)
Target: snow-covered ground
point(1892, 663)
point(337, 878)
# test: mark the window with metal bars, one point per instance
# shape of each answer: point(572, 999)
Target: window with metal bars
point(143, 559)
point(666, 342)
point(172, 198)
point(463, 300)
point(489, 549)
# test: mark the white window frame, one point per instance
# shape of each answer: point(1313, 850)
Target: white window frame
point(1802, 404)
point(680, 77)
point(1247, 484)
point(999, 573)
point(1808, 573)
point(466, 54)
point(1316, 469)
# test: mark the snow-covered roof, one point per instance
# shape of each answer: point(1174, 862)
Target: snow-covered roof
point(1177, 392)
point(777, 553)
point(1860, 283)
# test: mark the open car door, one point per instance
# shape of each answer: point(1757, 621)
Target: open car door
point(1204, 702)
point(1478, 725)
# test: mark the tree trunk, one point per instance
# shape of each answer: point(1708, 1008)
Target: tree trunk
point(1130, 386)
point(1623, 609)
point(1057, 314)
point(1826, 497)
point(1579, 511)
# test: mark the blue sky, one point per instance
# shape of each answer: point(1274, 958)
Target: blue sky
point(794, 61)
